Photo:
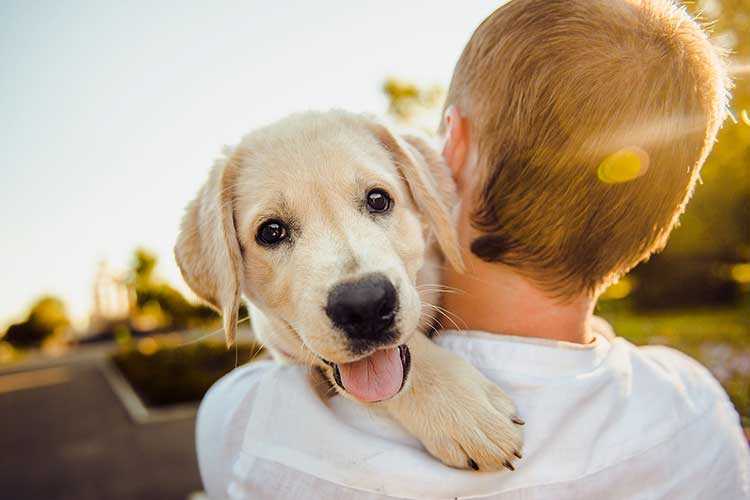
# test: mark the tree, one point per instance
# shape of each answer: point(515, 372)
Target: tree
point(414, 105)
point(143, 265)
point(713, 236)
point(46, 318)
point(717, 221)
point(156, 297)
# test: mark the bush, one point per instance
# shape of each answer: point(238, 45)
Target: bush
point(668, 282)
point(164, 375)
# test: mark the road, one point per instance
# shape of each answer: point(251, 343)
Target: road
point(66, 436)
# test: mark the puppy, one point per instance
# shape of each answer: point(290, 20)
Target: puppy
point(334, 229)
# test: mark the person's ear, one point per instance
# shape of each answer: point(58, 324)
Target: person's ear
point(207, 250)
point(456, 147)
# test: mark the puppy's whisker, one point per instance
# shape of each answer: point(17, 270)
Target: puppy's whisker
point(210, 334)
point(439, 291)
point(440, 286)
point(429, 316)
point(435, 327)
point(258, 349)
point(435, 288)
point(448, 316)
point(432, 322)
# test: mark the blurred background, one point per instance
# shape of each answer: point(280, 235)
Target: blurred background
point(112, 115)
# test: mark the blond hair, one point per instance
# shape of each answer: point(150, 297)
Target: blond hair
point(554, 88)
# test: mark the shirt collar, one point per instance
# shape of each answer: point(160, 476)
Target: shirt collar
point(529, 356)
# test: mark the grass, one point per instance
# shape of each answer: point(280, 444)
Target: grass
point(717, 338)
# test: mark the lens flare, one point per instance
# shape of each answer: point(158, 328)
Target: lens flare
point(148, 346)
point(623, 165)
point(745, 115)
point(741, 273)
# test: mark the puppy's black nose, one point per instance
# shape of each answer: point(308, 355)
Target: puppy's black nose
point(364, 309)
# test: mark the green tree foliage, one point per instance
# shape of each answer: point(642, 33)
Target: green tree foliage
point(414, 105)
point(143, 266)
point(714, 232)
point(155, 296)
point(46, 318)
point(717, 221)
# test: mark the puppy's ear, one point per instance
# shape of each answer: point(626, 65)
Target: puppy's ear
point(430, 185)
point(207, 250)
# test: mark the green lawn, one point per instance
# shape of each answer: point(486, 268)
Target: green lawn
point(719, 339)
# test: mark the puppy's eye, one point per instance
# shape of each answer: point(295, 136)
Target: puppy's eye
point(378, 201)
point(271, 232)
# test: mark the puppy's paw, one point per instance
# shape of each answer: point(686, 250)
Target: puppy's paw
point(481, 432)
point(460, 417)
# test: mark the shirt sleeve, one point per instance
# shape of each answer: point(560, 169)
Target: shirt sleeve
point(220, 425)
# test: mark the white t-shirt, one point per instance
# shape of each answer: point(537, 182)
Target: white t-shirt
point(603, 421)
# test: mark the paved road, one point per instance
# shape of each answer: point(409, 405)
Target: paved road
point(65, 436)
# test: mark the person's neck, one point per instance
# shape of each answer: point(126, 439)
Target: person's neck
point(495, 298)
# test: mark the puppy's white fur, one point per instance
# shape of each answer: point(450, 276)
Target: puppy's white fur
point(312, 171)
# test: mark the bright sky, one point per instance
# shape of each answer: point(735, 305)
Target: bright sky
point(112, 112)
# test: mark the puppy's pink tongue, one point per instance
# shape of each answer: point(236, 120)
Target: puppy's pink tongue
point(377, 377)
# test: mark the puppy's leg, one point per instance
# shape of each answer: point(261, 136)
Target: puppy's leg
point(462, 418)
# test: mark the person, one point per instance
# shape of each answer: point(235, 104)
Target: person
point(575, 131)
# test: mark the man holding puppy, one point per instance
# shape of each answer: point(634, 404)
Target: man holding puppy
point(575, 131)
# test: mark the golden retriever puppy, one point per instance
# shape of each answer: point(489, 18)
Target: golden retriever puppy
point(328, 224)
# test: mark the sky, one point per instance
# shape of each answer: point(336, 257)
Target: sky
point(112, 112)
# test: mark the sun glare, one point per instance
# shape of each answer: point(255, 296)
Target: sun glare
point(739, 69)
point(623, 165)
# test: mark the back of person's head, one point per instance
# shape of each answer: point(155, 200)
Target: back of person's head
point(590, 120)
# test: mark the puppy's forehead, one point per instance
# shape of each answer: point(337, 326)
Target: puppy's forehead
point(306, 155)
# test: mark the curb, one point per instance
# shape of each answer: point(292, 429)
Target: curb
point(134, 406)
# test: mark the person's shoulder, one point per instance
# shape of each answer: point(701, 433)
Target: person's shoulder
point(673, 370)
point(667, 372)
point(241, 379)
point(223, 417)
point(671, 409)
point(236, 390)
point(666, 382)
point(710, 435)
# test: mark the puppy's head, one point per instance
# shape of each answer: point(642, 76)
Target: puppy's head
point(322, 221)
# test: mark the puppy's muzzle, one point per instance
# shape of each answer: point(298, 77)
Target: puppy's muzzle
point(365, 310)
